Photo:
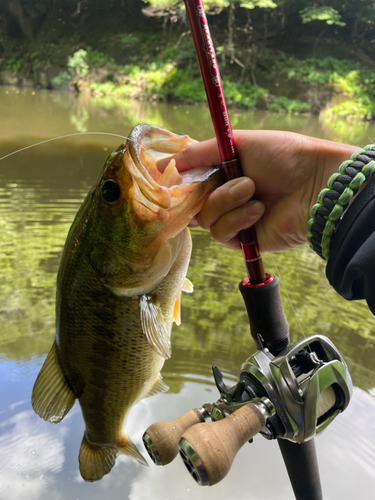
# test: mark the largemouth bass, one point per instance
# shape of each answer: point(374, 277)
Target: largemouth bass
point(119, 284)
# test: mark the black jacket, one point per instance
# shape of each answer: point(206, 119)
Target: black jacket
point(351, 264)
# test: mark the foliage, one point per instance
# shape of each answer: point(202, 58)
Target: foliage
point(78, 65)
point(351, 76)
point(291, 106)
point(155, 44)
point(13, 65)
point(214, 4)
point(352, 110)
point(161, 4)
point(61, 81)
point(97, 59)
point(166, 81)
point(243, 94)
point(312, 70)
point(130, 38)
point(151, 81)
point(262, 4)
point(315, 13)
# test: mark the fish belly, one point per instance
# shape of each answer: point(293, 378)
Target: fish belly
point(110, 365)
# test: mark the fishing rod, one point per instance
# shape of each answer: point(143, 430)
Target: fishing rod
point(230, 161)
point(285, 392)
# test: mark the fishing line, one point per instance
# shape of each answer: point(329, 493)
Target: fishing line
point(63, 137)
point(288, 297)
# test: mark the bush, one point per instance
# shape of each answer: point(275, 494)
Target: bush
point(192, 90)
point(104, 88)
point(97, 59)
point(351, 76)
point(291, 106)
point(61, 81)
point(352, 110)
point(13, 65)
point(77, 64)
point(243, 94)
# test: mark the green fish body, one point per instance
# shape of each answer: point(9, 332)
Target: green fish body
point(121, 275)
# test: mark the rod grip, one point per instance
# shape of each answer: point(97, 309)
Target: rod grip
point(161, 439)
point(208, 449)
point(268, 325)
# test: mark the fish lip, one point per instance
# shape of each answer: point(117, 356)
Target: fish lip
point(151, 190)
point(187, 177)
point(134, 143)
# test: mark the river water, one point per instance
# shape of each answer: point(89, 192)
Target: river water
point(41, 189)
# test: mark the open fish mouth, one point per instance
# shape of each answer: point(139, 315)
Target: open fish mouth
point(150, 147)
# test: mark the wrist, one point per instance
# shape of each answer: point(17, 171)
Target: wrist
point(334, 200)
point(329, 156)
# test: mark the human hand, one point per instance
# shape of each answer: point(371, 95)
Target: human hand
point(284, 171)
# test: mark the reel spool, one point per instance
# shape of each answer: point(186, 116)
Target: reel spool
point(292, 396)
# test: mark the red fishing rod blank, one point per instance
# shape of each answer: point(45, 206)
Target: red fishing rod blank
point(230, 161)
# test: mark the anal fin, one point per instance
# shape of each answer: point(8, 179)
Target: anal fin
point(52, 398)
point(158, 387)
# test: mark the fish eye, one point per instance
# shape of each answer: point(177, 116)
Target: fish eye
point(111, 191)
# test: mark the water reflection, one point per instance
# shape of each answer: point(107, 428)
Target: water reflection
point(44, 114)
point(51, 472)
point(40, 192)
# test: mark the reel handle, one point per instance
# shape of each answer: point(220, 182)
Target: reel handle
point(208, 449)
point(161, 439)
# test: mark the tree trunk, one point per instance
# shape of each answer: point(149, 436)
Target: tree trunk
point(24, 22)
point(231, 26)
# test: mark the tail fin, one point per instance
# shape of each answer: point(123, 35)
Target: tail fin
point(96, 462)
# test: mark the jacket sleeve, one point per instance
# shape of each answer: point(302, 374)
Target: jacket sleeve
point(351, 264)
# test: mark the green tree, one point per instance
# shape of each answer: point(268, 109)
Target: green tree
point(323, 13)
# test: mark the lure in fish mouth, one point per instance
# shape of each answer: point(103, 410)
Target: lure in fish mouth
point(119, 285)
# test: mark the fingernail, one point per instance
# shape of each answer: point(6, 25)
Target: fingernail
point(253, 209)
point(241, 189)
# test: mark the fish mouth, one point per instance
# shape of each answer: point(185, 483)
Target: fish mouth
point(165, 187)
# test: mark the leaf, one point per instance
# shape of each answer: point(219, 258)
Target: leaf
point(328, 14)
point(262, 4)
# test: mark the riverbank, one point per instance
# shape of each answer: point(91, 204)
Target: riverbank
point(109, 55)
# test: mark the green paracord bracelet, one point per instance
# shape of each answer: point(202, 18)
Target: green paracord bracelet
point(334, 199)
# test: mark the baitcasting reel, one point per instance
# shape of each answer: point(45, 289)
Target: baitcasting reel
point(292, 396)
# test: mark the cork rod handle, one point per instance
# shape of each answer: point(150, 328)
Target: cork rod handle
point(161, 439)
point(208, 449)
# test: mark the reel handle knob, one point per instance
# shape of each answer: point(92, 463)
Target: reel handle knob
point(208, 449)
point(161, 439)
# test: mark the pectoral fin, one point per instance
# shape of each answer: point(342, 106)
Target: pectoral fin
point(154, 327)
point(187, 286)
point(177, 310)
point(52, 398)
